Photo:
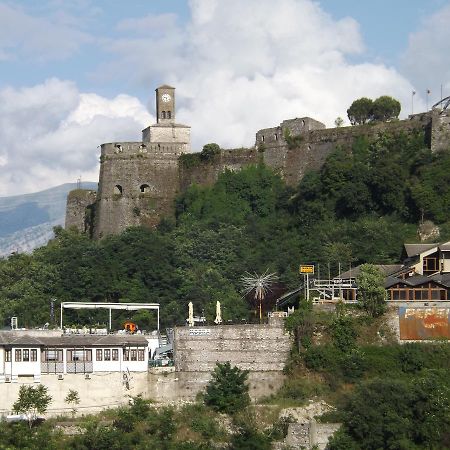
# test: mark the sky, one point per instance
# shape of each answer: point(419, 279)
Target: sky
point(77, 73)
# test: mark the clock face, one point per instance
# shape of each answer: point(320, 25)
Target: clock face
point(165, 98)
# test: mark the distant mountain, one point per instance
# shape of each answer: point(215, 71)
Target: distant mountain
point(27, 221)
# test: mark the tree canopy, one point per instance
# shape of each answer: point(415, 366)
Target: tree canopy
point(227, 391)
point(364, 110)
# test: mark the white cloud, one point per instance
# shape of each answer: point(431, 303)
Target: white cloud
point(237, 66)
point(38, 38)
point(426, 59)
point(50, 133)
point(241, 66)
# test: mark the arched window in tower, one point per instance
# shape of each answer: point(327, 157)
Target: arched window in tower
point(144, 188)
point(163, 115)
point(118, 190)
point(169, 114)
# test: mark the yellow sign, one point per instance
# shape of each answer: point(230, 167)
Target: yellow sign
point(307, 269)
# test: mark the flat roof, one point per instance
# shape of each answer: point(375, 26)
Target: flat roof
point(104, 305)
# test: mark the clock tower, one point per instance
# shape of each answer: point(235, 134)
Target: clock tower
point(165, 104)
point(166, 131)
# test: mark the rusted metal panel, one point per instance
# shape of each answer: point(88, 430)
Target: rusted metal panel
point(419, 323)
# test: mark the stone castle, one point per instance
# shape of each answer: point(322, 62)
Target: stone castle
point(139, 181)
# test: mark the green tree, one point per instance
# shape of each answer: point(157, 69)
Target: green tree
point(227, 390)
point(396, 414)
point(73, 399)
point(32, 401)
point(371, 292)
point(385, 108)
point(209, 151)
point(339, 122)
point(360, 111)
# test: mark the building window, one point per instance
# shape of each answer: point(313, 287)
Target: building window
point(118, 190)
point(98, 354)
point(79, 355)
point(262, 138)
point(7, 355)
point(130, 354)
point(430, 264)
point(33, 355)
point(169, 114)
point(144, 188)
point(107, 355)
point(52, 355)
point(26, 355)
point(115, 354)
point(163, 115)
point(276, 136)
point(141, 355)
point(18, 355)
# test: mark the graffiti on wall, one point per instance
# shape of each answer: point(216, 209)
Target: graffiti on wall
point(424, 323)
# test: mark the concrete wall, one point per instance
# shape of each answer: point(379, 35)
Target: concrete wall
point(250, 347)
point(107, 390)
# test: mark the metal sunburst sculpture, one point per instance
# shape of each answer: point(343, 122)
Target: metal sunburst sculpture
point(260, 284)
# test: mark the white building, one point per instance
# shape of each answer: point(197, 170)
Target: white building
point(25, 356)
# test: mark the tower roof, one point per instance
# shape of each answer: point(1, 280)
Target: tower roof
point(164, 86)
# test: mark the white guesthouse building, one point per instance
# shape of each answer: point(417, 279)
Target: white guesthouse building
point(26, 356)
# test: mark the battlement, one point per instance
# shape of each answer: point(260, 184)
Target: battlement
point(120, 150)
point(290, 127)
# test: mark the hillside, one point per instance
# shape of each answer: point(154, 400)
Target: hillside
point(27, 221)
point(361, 206)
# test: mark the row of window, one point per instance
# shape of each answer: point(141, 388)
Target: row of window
point(143, 188)
point(166, 114)
point(418, 294)
point(107, 354)
point(56, 355)
point(22, 355)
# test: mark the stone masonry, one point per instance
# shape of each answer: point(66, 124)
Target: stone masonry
point(139, 181)
point(258, 348)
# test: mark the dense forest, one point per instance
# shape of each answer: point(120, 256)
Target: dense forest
point(363, 204)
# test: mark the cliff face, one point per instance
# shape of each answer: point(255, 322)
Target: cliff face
point(139, 181)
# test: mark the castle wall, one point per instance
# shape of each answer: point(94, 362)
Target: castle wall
point(79, 215)
point(205, 173)
point(291, 149)
point(312, 151)
point(138, 182)
point(440, 131)
point(250, 347)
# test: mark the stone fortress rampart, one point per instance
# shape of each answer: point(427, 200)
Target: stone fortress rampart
point(139, 181)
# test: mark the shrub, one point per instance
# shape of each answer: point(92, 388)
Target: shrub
point(343, 333)
point(228, 390)
point(412, 357)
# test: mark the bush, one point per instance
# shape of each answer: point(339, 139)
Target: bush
point(227, 391)
point(344, 333)
point(300, 389)
point(321, 357)
point(353, 365)
point(412, 357)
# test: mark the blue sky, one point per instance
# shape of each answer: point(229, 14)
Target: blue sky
point(76, 73)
